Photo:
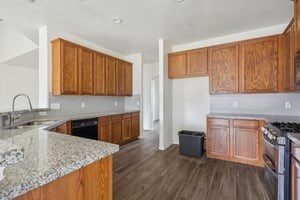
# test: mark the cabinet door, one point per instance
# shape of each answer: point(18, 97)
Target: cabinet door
point(116, 131)
point(259, 65)
point(85, 66)
point(218, 139)
point(105, 133)
point(197, 62)
point(223, 65)
point(126, 130)
point(128, 79)
point(69, 69)
point(297, 25)
point(295, 179)
point(110, 76)
point(120, 78)
point(177, 65)
point(135, 126)
point(99, 74)
point(290, 53)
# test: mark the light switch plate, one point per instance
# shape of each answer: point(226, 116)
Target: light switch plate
point(55, 106)
point(43, 113)
point(138, 103)
point(115, 103)
point(235, 104)
point(83, 105)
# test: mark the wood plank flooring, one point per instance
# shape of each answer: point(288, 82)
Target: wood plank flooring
point(142, 172)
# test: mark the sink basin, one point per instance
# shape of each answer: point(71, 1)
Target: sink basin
point(38, 123)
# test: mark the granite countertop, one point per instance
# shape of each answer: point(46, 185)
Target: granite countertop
point(48, 155)
point(268, 118)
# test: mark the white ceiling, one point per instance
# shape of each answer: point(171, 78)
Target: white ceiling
point(145, 21)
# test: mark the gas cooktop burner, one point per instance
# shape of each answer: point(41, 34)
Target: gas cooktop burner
point(287, 127)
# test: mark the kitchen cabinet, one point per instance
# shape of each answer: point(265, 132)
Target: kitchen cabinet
point(177, 65)
point(135, 125)
point(218, 138)
point(116, 129)
point(235, 140)
point(93, 181)
point(99, 74)
point(246, 138)
point(77, 70)
point(223, 65)
point(63, 128)
point(128, 79)
point(190, 63)
point(126, 127)
point(110, 76)
point(120, 78)
point(297, 25)
point(259, 65)
point(85, 66)
point(197, 62)
point(65, 67)
point(104, 129)
point(290, 53)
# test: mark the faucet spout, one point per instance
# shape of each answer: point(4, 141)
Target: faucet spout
point(12, 120)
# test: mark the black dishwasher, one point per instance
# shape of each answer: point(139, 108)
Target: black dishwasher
point(86, 128)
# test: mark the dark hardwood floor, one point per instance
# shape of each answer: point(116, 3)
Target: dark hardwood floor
point(142, 172)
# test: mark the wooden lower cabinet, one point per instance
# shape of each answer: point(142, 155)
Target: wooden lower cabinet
point(235, 140)
point(119, 129)
point(116, 131)
point(93, 182)
point(63, 128)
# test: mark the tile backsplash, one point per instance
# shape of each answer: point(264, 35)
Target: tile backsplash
point(271, 104)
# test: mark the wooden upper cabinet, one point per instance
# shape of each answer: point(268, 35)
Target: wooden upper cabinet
point(290, 53)
point(120, 78)
point(297, 25)
point(177, 65)
point(197, 62)
point(78, 70)
point(223, 65)
point(110, 76)
point(259, 65)
point(65, 67)
point(85, 66)
point(128, 79)
point(99, 74)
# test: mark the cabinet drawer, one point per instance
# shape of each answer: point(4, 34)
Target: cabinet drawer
point(105, 119)
point(296, 151)
point(135, 114)
point(247, 124)
point(219, 122)
point(126, 116)
point(116, 117)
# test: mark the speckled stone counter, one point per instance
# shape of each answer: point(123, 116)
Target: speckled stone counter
point(268, 118)
point(49, 155)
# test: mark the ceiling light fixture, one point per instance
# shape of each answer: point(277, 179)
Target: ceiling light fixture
point(179, 1)
point(117, 20)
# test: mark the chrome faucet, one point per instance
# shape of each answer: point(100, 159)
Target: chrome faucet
point(12, 117)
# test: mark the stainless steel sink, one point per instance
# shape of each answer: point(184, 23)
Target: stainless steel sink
point(38, 123)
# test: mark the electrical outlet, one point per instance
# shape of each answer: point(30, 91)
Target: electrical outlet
point(235, 104)
point(138, 103)
point(83, 105)
point(115, 103)
point(43, 113)
point(287, 105)
point(55, 106)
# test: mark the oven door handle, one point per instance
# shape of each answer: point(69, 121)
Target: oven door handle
point(269, 165)
point(270, 143)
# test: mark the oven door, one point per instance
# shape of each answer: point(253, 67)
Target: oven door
point(270, 157)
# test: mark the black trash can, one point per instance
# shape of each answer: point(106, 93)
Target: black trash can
point(191, 143)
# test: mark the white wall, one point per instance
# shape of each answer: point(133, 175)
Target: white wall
point(190, 97)
point(165, 97)
point(150, 71)
point(14, 80)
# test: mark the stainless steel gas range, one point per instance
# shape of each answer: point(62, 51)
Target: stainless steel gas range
point(277, 157)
